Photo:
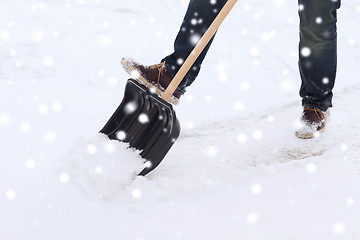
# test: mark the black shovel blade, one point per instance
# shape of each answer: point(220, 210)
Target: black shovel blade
point(146, 122)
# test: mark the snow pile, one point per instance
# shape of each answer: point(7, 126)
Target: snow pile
point(99, 167)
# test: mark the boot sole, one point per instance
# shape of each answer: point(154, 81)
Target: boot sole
point(309, 135)
point(130, 69)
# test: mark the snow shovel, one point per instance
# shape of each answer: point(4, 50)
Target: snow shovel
point(147, 121)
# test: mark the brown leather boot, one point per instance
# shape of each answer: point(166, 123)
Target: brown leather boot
point(313, 122)
point(153, 77)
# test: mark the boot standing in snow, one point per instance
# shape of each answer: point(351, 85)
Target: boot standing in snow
point(317, 58)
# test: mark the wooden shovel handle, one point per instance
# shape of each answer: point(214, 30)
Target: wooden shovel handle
point(198, 49)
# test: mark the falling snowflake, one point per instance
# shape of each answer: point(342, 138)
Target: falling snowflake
point(252, 218)
point(10, 194)
point(318, 20)
point(344, 147)
point(113, 81)
point(50, 137)
point(194, 39)
point(301, 7)
point(212, 151)
point(241, 138)
point(136, 193)
point(257, 134)
point(339, 228)
point(109, 147)
point(30, 163)
point(91, 149)
point(130, 107)
point(48, 62)
point(43, 109)
point(56, 106)
point(305, 52)
point(190, 98)
point(254, 51)
point(37, 35)
point(278, 3)
point(64, 178)
point(287, 85)
point(239, 106)
point(190, 125)
point(106, 40)
point(325, 80)
point(4, 119)
point(180, 61)
point(4, 35)
point(256, 189)
point(223, 77)
point(351, 41)
point(311, 167)
point(98, 169)
point(244, 86)
point(271, 118)
point(143, 118)
point(25, 127)
point(121, 135)
point(193, 21)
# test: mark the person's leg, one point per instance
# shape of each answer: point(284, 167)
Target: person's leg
point(200, 14)
point(317, 51)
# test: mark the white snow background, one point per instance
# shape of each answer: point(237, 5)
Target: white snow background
point(236, 172)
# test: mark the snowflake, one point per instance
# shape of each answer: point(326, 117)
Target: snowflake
point(48, 62)
point(4, 119)
point(239, 106)
point(64, 178)
point(350, 201)
point(339, 228)
point(257, 134)
point(318, 20)
point(98, 169)
point(4, 35)
point(10, 194)
point(106, 40)
point(30, 163)
point(56, 106)
point(130, 107)
point(91, 149)
point(50, 137)
point(252, 218)
point(305, 52)
point(311, 168)
point(143, 118)
point(37, 35)
point(121, 135)
point(254, 51)
point(136, 193)
point(25, 127)
point(113, 81)
point(325, 80)
point(42, 109)
point(194, 39)
point(256, 189)
point(241, 138)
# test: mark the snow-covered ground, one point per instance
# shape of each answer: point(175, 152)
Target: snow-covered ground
point(236, 172)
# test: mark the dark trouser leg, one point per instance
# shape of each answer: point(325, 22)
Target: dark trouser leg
point(200, 14)
point(317, 51)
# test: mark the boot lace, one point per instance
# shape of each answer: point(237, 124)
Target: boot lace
point(160, 67)
point(319, 114)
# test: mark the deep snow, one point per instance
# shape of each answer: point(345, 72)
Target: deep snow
point(237, 170)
